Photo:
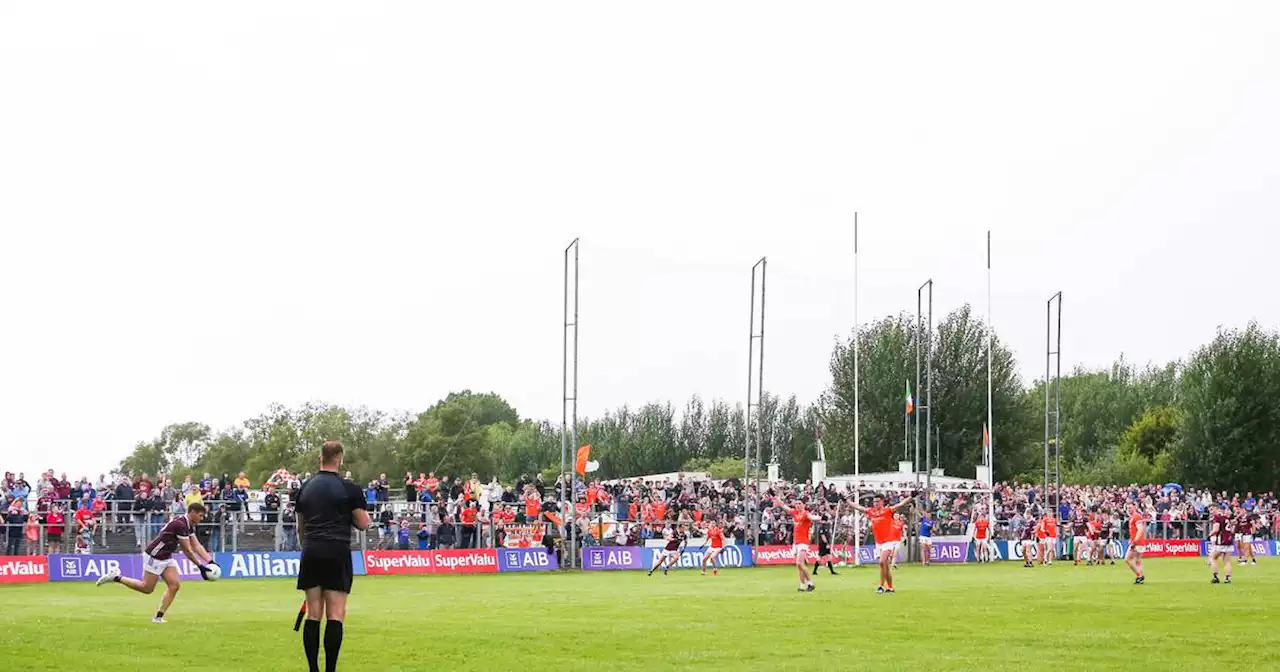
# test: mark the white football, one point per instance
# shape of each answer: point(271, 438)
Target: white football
point(215, 572)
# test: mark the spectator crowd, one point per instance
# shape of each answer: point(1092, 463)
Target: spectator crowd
point(443, 512)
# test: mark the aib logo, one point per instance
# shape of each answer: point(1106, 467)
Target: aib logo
point(70, 567)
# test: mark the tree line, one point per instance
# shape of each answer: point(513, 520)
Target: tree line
point(1211, 419)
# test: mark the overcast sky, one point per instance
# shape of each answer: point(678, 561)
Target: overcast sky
point(208, 208)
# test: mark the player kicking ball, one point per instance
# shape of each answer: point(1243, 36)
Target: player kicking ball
point(159, 564)
point(671, 552)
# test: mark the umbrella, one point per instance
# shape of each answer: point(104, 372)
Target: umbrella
point(1171, 486)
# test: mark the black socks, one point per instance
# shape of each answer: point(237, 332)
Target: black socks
point(311, 643)
point(332, 644)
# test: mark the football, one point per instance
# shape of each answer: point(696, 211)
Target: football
point(214, 573)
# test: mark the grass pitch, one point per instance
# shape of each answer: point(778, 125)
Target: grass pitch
point(967, 617)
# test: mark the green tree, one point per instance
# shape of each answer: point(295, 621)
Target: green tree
point(1231, 432)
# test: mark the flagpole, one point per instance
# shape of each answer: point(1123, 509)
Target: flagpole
point(857, 519)
point(991, 428)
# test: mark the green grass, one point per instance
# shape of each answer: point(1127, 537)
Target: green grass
point(944, 618)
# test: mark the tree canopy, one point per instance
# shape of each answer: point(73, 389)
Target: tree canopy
point(1211, 420)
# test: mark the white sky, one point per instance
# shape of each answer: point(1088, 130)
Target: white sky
point(208, 208)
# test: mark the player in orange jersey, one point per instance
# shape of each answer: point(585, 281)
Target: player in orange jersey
point(898, 531)
point(1137, 537)
point(800, 540)
point(715, 539)
point(882, 521)
point(1048, 538)
point(982, 540)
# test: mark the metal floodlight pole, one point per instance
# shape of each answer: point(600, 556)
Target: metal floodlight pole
point(569, 418)
point(1052, 383)
point(989, 450)
point(755, 366)
point(856, 353)
point(926, 334)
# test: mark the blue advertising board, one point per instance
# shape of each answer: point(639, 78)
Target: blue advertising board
point(613, 557)
point(691, 557)
point(268, 564)
point(91, 567)
point(526, 560)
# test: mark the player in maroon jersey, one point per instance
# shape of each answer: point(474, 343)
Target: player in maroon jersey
point(1079, 537)
point(1221, 538)
point(1244, 536)
point(158, 561)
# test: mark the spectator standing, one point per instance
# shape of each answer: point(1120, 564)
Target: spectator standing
point(155, 507)
point(141, 512)
point(33, 535)
point(289, 521)
point(270, 505)
point(15, 521)
point(55, 525)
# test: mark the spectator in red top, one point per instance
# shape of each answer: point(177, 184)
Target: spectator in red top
point(142, 487)
point(85, 520)
point(469, 526)
point(55, 523)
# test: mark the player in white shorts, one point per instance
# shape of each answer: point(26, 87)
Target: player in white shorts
point(670, 554)
point(159, 563)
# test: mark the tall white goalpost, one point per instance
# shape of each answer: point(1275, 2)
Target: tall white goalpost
point(857, 354)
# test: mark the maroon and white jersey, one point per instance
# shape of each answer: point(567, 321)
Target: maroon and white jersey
point(166, 543)
point(1224, 530)
point(1244, 525)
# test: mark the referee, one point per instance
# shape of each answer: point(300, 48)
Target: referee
point(328, 507)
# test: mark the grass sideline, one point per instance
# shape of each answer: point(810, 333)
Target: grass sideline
point(966, 617)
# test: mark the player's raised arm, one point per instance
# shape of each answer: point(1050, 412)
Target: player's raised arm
point(905, 502)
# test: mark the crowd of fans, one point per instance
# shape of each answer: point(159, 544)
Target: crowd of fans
point(431, 512)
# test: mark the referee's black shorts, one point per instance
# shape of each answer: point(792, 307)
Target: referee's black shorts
point(325, 565)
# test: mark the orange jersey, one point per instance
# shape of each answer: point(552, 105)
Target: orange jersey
point(532, 506)
point(881, 524)
point(980, 528)
point(1137, 527)
point(716, 536)
point(896, 530)
point(801, 519)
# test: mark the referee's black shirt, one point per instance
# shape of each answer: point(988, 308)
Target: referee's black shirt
point(325, 503)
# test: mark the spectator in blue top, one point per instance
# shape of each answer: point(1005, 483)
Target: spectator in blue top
point(1064, 511)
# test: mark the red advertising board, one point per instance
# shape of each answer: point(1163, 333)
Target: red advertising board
point(461, 561)
point(783, 555)
point(466, 561)
point(399, 562)
point(24, 569)
point(1171, 548)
